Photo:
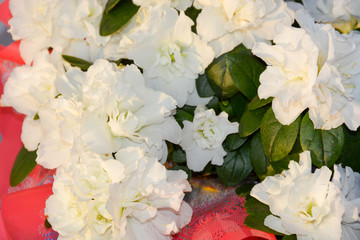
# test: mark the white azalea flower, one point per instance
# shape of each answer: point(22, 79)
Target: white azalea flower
point(86, 184)
point(302, 203)
point(342, 14)
point(65, 212)
point(148, 203)
point(124, 111)
point(170, 55)
point(348, 182)
point(202, 139)
point(69, 24)
point(227, 23)
point(60, 121)
point(29, 87)
point(292, 64)
point(324, 73)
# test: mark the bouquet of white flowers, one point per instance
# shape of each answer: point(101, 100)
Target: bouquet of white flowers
point(127, 99)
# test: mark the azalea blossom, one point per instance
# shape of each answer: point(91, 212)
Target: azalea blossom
point(324, 72)
point(29, 88)
point(202, 139)
point(292, 64)
point(103, 110)
point(342, 14)
point(226, 24)
point(348, 182)
point(149, 202)
point(302, 203)
point(71, 25)
point(76, 210)
point(161, 42)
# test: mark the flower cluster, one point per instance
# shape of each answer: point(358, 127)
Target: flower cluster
point(130, 197)
point(321, 65)
point(309, 204)
point(109, 116)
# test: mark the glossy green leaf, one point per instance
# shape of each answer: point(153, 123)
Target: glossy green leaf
point(47, 224)
point(351, 150)
point(23, 165)
point(203, 88)
point(77, 62)
point(289, 237)
point(283, 164)
point(256, 208)
point(245, 70)
point(234, 141)
point(256, 223)
point(182, 115)
point(238, 104)
point(277, 139)
point(193, 13)
point(251, 120)
point(119, 15)
point(259, 161)
point(256, 102)
point(244, 189)
point(325, 145)
point(225, 106)
point(110, 5)
point(178, 155)
point(236, 166)
point(214, 104)
point(220, 79)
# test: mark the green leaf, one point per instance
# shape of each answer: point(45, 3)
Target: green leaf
point(325, 145)
point(182, 115)
point(185, 169)
point(259, 161)
point(245, 70)
point(193, 13)
point(251, 120)
point(234, 141)
point(289, 237)
point(47, 224)
point(225, 106)
point(203, 88)
point(351, 150)
point(24, 164)
point(256, 208)
point(77, 62)
point(277, 139)
point(119, 15)
point(283, 164)
point(256, 102)
point(214, 104)
point(256, 223)
point(178, 155)
point(236, 166)
point(244, 189)
point(238, 104)
point(220, 79)
point(110, 5)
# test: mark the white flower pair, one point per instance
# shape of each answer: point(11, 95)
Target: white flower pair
point(312, 67)
point(309, 204)
point(130, 197)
